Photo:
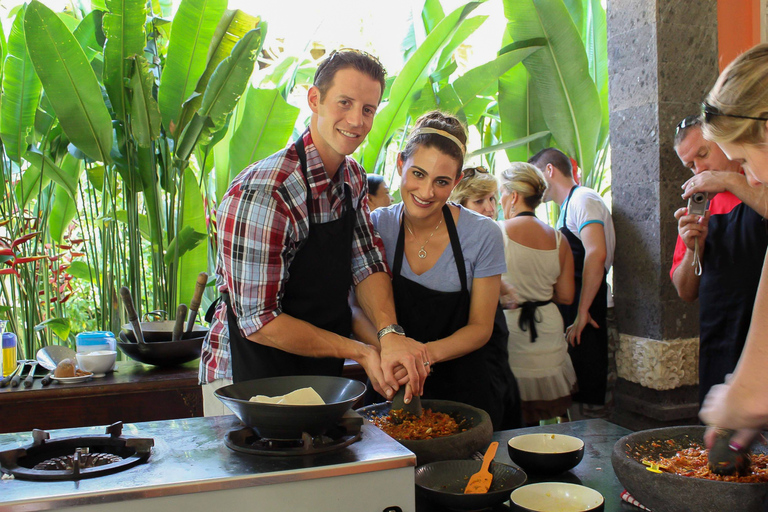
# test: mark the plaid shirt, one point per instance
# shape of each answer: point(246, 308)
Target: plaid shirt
point(262, 222)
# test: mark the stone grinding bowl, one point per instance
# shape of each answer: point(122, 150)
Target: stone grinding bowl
point(674, 493)
point(457, 446)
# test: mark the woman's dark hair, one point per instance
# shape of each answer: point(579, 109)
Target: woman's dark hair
point(439, 121)
point(348, 58)
point(374, 182)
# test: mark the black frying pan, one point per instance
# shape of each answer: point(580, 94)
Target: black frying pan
point(289, 421)
point(161, 353)
point(163, 331)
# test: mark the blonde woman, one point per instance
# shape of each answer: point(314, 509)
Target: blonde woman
point(477, 191)
point(735, 116)
point(540, 267)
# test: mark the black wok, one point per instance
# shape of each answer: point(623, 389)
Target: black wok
point(674, 493)
point(457, 446)
point(290, 421)
point(161, 353)
point(163, 331)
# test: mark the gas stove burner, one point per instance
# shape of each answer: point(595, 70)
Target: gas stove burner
point(346, 432)
point(75, 458)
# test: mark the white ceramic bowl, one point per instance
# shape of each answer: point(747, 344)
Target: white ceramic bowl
point(560, 496)
point(98, 362)
point(545, 454)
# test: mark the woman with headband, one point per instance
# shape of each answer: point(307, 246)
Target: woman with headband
point(446, 264)
point(735, 116)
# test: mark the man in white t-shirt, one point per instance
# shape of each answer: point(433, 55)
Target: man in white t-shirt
point(586, 223)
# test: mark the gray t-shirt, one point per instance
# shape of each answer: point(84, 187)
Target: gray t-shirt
point(481, 242)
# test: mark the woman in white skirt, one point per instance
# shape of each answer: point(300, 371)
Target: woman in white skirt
point(540, 268)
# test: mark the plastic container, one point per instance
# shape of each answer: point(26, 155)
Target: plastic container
point(91, 341)
point(9, 353)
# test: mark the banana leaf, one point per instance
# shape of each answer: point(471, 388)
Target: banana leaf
point(192, 29)
point(195, 259)
point(231, 28)
point(410, 81)
point(187, 239)
point(89, 33)
point(3, 49)
point(266, 127)
point(560, 73)
point(124, 30)
point(32, 181)
point(145, 113)
point(69, 82)
point(466, 29)
point(222, 94)
point(50, 170)
point(520, 114)
point(21, 94)
point(576, 10)
point(596, 43)
point(64, 209)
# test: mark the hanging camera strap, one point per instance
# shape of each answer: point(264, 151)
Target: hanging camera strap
point(696, 258)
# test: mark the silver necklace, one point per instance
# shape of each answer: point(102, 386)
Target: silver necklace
point(422, 251)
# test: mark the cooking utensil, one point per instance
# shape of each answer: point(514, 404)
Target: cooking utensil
point(194, 305)
point(400, 409)
point(676, 493)
point(133, 317)
point(178, 326)
point(162, 331)
point(725, 458)
point(290, 421)
point(47, 379)
point(480, 482)
point(161, 353)
point(457, 446)
point(31, 376)
point(50, 356)
point(16, 380)
point(443, 483)
point(7, 380)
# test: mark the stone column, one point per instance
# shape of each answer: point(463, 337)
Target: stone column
point(662, 59)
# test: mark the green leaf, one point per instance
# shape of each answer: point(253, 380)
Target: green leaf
point(81, 270)
point(64, 208)
point(69, 82)
point(60, 327)
point(144, 230)
point(90, 35)
point(191, 32)
point(576, 10)
point(145, 113)
point(53, 171)
point(124, 28)
point(508, 145)
point(95, 175)
point(560, 73)
point(266, 127)
point(32, 181)
point(466, 29)
point(195, 260)
point(409, 82)
point(186, 240)
point(520, 114)
point(596, 37)
point(21, 94)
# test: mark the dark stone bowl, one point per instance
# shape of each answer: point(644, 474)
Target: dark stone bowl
point(458, 446)
point(546, 454)
point(443, 482)
point(674, 493)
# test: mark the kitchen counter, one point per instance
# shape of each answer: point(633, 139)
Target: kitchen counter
point(135, 392)
point(594, 471)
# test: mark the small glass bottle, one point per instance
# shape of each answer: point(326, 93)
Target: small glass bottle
point(9, 353)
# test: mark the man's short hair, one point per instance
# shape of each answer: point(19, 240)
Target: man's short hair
point(685, 126)
point(553, 156)
point(348, 58)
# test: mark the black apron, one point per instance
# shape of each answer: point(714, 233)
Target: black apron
point(319, 280)
point(478, 378)
point(590, 357)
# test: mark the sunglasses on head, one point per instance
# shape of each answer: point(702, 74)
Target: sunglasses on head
point(687, 123)
point(470, 172)
point(709, 112)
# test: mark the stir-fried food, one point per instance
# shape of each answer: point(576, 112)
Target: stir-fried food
point(429, 426)
point(692, 462)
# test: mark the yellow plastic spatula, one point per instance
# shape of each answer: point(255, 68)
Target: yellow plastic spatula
point(480, 482)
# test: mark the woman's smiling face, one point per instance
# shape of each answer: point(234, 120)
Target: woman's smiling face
point(427, 179)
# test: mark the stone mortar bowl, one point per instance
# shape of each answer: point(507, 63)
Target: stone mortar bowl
point(457, 446)
point(674, 493)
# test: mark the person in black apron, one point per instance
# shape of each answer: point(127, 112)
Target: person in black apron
point(316, 237)
point(466, 368)
point(590, 356)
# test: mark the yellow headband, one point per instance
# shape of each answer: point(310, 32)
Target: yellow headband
point(420, 131)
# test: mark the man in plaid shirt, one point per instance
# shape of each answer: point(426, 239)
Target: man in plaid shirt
point(294, 236)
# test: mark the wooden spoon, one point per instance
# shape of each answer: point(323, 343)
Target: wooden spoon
point(480, 482)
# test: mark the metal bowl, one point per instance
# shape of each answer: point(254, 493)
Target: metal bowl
point(443, 482)
point(675, 493)
point(163, 331)
point(546, 454)
point(457, 446)
point(278, 421)
point(161, 353)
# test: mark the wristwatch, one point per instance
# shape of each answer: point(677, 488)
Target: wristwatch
point(390, 328)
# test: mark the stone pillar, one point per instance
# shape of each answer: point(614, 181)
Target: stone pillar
point(662, 59)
